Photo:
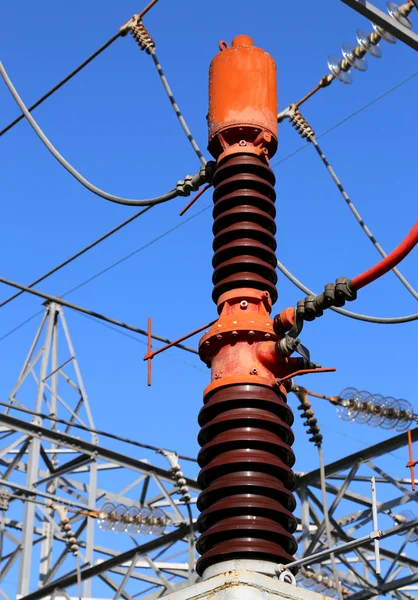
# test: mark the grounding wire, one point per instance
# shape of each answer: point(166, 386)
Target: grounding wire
point(86, 311)
point(176, 107)
point(62, 82)
point(98, 432)
point(357, 215)
point(77, 254)
point(348, 117)
point(348, 313)
point(92, 188)
point(326, 521)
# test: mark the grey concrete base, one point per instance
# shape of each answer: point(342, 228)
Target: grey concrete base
point(243, 585)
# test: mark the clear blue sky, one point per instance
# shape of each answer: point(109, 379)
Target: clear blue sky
point(115, 124)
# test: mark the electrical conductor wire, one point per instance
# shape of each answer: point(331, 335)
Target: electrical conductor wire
point(176, 107)
point(92, 188)
point(91, 313)
point(342, 311)
point(62, 82)
point(111, 266)
point(77, 255)
point(98, 432)
point(348, 117)
point(356, 214)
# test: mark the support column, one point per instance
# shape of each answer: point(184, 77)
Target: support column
point(246, 458)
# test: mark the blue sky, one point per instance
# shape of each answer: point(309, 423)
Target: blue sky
point(115, 124)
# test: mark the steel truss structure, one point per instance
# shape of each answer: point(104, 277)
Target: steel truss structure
point(42, 461)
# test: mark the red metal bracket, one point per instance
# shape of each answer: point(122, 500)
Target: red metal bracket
point(412, 463)
point(305, 372)
point(150, 355)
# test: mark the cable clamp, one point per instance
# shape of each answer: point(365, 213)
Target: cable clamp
point(191, 183)
point(334, 294)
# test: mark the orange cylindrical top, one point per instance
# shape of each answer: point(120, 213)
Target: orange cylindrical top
point(242, 96)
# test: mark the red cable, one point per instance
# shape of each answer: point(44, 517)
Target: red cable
point(391, 260)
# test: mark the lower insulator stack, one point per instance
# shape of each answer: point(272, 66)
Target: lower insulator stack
point(244, 226)
point(246, 476)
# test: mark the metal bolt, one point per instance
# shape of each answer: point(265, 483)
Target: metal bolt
point(207, 343)
point(251, 333)
point(234, 333)
point(243, 304)
point(253, 372)
point(267, 336)
point(242, 143)
point(219, 336)
point(217, 376)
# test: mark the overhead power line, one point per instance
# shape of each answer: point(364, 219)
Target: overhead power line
point(347, 313)
point(108, 268)
point(91, 313)
point(122, 32)
point(78, 254)
point(62, 82)
point(90, 430)
point(358, 218)
point(347, 118)
point(305, 130)
point(176, 107)
point(183, 188)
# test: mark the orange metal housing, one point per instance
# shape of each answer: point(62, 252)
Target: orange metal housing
point(242, 97)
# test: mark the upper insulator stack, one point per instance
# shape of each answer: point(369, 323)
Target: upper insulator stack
point(244, 226)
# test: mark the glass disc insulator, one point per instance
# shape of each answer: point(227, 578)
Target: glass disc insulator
point(132, 520)
point(363, 40)
point(395, 13)
point(120, 521)
point(334, 67)
point(146, 524)
point(159, 522)
point(384, 34)
point(348, 52)
point(106, 522)
point(365, 407)
point(392, 413)
point(379, 405)
point(406, 415)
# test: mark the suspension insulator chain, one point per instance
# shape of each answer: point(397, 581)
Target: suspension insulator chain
point(244, 226)
point(246, 476)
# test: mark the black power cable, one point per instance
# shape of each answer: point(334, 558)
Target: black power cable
point(108, 268)
point(77, 254)
point(91, 313)
point(62, 82)
point(183, 188)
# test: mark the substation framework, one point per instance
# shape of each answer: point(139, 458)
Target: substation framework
point(45, 464)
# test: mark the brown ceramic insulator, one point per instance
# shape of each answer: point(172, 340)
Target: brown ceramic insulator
point(246, 476)
point(244, 227)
